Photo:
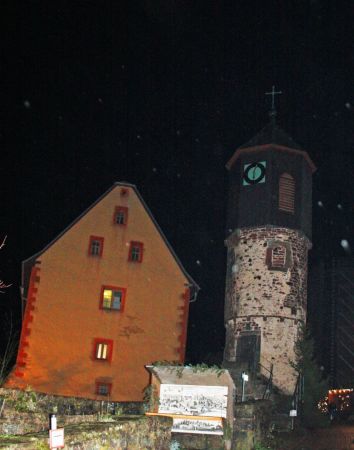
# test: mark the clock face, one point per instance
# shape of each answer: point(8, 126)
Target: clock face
point(254, 173)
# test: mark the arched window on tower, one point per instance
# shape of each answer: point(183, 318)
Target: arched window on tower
point(279, 256)
point(287, 193)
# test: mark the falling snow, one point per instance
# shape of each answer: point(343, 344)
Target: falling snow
point(348, 105)
point(320, 204)
point(344, 243)
point(235, 268)
point(27, 104)
point(339, 206)
point(198, 262)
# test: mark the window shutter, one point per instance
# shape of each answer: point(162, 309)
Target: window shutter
point(287, 193)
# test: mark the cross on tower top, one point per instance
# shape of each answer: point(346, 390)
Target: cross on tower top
point(273, 111)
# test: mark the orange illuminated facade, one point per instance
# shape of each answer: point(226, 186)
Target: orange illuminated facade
point(102, 300)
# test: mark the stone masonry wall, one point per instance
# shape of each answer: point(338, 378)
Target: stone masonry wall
point(265, 298)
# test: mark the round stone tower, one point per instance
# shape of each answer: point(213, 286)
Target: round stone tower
point(268, 238)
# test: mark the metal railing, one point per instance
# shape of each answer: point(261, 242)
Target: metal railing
point(298, 394)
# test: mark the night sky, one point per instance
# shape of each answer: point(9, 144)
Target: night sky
point(160, 94)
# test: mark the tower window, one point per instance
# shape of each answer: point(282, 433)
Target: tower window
point(112, 298)
point(96, 246)
point(136, 251)
point(103, 349)
point(120, 215)
point(278, 256)
point(287, 193)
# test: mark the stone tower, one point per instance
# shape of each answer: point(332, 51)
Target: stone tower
point(268, 238)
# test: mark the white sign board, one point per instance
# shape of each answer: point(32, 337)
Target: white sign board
point(193, 400)
point(197, 426)
point(56, 438)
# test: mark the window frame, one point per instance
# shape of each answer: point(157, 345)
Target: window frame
point(117, 210)
point(109, 343)
point(113, 288)
point(136, 244)
point(100, 239)
point(269, 256)
point(103, 383)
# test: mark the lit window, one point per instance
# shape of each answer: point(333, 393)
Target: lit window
point(136, 251)
point(120, 215)
point(96, 246)
point(287, 193)
point(103, 388)
point(103, 349)
point(112, 298)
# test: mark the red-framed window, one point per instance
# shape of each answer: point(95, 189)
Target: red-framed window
point(102, 349)
point(112, 298)
point(120, 216)
point(136, 250)
point(95, 246)
point(103, 388)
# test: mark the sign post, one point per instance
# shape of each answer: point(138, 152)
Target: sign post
point(56, 435)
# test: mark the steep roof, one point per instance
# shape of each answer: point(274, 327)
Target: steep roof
point(29, 262)
point(271, 136)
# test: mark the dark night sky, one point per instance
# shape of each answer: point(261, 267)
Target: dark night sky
point(160, 94)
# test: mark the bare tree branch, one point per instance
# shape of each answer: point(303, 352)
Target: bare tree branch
point(3, 242)
point(3, 285)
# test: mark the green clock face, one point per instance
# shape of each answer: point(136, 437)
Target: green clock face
point(254, 173)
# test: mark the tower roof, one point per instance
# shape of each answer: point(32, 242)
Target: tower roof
point(271, 136)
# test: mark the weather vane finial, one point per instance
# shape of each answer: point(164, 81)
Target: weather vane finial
point(273, 111)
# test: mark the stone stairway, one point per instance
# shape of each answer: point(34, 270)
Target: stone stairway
point(264, 407)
